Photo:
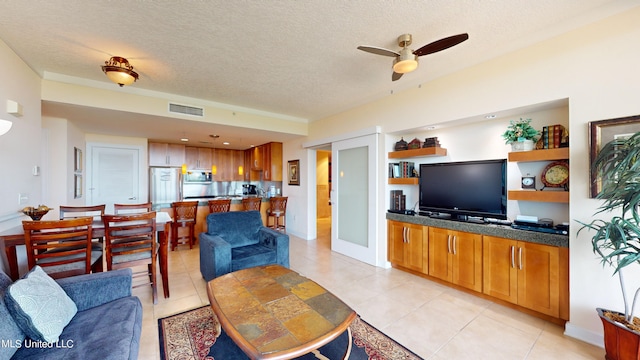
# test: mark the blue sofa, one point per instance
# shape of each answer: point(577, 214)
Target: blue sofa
point(107, 325)
point(238, 240)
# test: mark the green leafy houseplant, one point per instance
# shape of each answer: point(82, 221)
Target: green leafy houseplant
point(520, 130)
point(617, 240)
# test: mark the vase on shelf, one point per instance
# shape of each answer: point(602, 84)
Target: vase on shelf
point(525, 145)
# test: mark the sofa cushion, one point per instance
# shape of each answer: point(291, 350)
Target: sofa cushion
point(238, 228)
point(244, 257)
point(9, 330)
point(39, 306)
point(108, 331)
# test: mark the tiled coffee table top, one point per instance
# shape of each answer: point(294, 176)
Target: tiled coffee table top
point(272, 312)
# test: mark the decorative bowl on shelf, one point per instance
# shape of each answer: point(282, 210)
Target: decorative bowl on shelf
point(36, 213)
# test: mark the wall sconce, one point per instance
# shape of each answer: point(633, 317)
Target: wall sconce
point(184, 169)
point(5, 126)
point(13, 108)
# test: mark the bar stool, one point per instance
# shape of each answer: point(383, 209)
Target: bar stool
point(251, 203)
point(184, 216)
point(219, 205)
point(277, 210)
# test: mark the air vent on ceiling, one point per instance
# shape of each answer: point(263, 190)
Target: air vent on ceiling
point(186, 110)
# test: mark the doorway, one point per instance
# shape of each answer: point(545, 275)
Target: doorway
point(114, 175)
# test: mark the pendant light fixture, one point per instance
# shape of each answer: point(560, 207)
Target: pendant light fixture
point(120, 71)
point(214, 168)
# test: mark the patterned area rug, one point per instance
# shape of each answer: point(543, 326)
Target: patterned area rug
point(196, 334)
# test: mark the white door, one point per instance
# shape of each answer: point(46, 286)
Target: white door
point(353, 197)
point(115, 175)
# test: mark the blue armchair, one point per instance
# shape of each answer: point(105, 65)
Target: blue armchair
point(238, 240)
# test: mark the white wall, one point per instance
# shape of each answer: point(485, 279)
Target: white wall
point(594, 67)
point(20, 148)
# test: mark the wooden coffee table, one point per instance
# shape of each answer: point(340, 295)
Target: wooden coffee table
point(272, 312)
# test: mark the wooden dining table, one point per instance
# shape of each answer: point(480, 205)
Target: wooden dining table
point(13, 237)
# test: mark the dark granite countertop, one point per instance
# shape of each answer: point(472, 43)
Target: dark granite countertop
point(503, 231)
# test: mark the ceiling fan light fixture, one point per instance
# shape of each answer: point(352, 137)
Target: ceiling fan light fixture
point(120, 71)
point(406, 62)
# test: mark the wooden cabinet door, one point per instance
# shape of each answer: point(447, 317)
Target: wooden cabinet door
point(247, 164)
point(500, 275)
point(415, 248)
point(439, 257)
point(272, 161)
point(191, 157)
point(467, 260)
point(205, 159)
point(238, 161)
point(539, 278)
point(395, 238)
point(256, 158)
point(176, 154)
point(158, 154)
point(222, 159)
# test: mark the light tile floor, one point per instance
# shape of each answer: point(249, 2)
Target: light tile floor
point(433, 320)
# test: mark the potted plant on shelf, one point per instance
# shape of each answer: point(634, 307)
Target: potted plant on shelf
point(521, 135)
point(617, 239)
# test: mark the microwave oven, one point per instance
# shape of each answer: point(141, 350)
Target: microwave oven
point(197, 177)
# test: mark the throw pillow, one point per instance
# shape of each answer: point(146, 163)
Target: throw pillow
point(40, 306)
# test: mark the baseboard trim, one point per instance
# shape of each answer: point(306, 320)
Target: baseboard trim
point(587, 336)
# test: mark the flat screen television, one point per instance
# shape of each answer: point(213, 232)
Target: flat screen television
point(464, 189)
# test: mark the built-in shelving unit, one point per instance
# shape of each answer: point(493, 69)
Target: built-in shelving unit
point(404, 154)
point(429, 151)
point(557, 196)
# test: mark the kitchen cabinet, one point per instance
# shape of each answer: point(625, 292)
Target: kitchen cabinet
point(198, 158)
point(534, 276)
point(456, 257)
point(407, 245)
point(256, 157)
point(227, 163)
point(162, 154)
point(272, 161)
point(247, 165)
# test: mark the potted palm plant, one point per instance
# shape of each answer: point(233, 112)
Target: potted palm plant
point(617, 239)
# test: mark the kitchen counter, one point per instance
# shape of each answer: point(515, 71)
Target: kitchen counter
point(503, 231)
point(203, 209)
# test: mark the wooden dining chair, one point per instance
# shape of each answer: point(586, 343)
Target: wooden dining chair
point(130, 241)
point(184, 217)
point(277, 211)
point(251, 203)
point(219, 205)
point(122, 209)
point(67, 212)
point(62, 248)
point(73, 212)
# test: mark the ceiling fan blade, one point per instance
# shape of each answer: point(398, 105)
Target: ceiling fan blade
point(441, 44)
point(379, 51)
point(395, 76)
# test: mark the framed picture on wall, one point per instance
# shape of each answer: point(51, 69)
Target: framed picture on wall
point(77, 160)
point(77, 186)
point(294, 172)
point(600, 133)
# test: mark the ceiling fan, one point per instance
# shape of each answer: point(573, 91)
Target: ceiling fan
point(406, 60)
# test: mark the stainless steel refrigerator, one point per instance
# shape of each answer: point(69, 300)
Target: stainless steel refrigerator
point(165, 185)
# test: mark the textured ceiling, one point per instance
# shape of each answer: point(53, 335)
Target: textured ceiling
point(295, 58)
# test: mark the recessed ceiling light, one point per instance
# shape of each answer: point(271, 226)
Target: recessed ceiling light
point(491, 116)
point(225, 143)
point(430, 127)
point(184, 139)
